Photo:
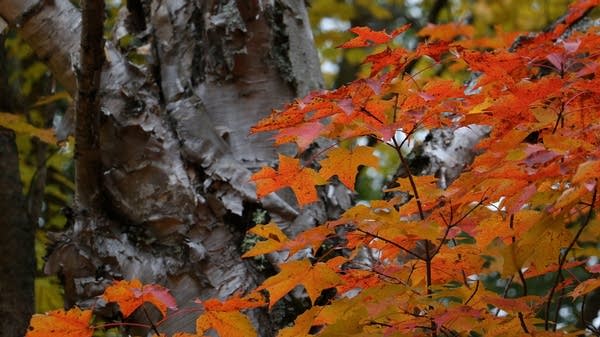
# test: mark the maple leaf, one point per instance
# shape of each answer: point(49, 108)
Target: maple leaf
point(446, 32)
point(366, 36)
point(344, 163)
point(314, 278)
point(587, 171)
point(313, 237)
point(302, 324)
point(301, 180)
point(226, 324)
point(235, 303)
point(585, 287)
point(18, 124)
point(130, 295)
point(275, 239)
point(578, 8)
point(303, 135)
point(58, 323)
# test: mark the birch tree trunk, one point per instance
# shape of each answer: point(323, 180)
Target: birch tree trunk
point(173, 198)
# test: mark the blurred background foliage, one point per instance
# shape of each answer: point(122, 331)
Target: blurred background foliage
point(33, 102)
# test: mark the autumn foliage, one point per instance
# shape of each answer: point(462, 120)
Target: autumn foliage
point(526, 207)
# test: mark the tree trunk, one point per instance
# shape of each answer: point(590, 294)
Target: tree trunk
point(17, 257)
point(175, 153)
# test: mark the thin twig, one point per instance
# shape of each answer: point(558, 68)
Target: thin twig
point(563, 256)
point(391, 243)
point(522, 320)
point(154, 328)
point(473, 293)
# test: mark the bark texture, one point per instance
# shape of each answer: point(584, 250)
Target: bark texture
point(175, 155)
point(17, 258)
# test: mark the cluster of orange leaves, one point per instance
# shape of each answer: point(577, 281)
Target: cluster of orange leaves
point(524, 208)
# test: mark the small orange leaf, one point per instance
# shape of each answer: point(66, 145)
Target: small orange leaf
point(447, 32)
point(585, 287)
point(130, 295)
point(226, 323)
point(314, 278)
point(313, 237)
point(275, 239)
point(301, 180)
point(58, 323)
point(344, 163)
point(367, 36)
point(235, 303)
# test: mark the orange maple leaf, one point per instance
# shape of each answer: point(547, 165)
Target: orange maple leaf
point(344, 163)
point(275, 238)
point(58, 323)
point(447, 32)
point(302, 324)
point(301, 180)
point(585, 287)
point(130, 295)
point(226, 323)
point(314, 278)
point(235, 303)
point(367, 36)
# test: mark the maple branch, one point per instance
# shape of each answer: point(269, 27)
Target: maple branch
point(435, 10)
point(154, 328)
point(391, 243)
point(522, 320)
point(372, 322)
point(519, 271)
point(473, 293)
point(87, 111)
point(410, 178)
point(558, 305)
point(559, 118)
point(120, 324)
point(452, 225)
point(563, 256)
point(521, 277)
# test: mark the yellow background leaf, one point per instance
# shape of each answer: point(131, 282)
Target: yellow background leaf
point(18, 124)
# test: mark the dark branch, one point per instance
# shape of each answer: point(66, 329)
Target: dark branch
point(87, 115)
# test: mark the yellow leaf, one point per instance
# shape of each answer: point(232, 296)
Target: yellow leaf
point(275, 240)
point(586, 171)
point(226, 323)
point(301, 325)
point(19, 125)
point(344, 163)
point(314, 279)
